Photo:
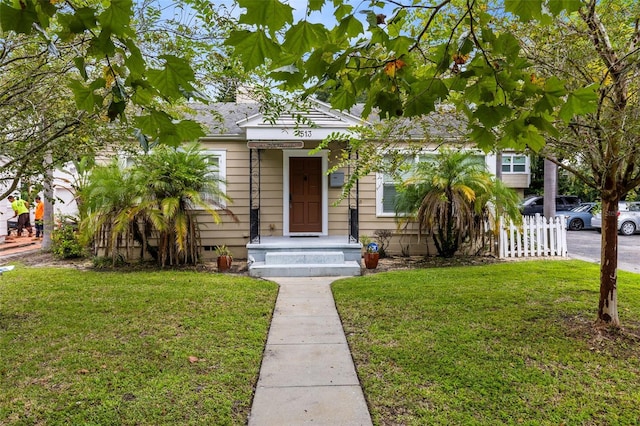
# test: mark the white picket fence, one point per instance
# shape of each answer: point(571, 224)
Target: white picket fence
point(538, 237)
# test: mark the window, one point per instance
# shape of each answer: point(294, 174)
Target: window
point(386, 191)
point(218, 162)
point(514, 163)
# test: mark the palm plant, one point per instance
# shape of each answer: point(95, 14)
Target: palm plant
point(173, 183)
point(455, 199)
point(108, 197)
point(155, 201)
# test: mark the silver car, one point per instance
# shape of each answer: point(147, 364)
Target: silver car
point(628, 219)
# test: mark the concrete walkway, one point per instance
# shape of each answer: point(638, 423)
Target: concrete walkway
point(307, 374)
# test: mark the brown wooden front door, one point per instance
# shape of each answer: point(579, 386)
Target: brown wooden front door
point(305, 194)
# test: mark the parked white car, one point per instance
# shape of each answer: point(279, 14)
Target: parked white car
point(628, 219)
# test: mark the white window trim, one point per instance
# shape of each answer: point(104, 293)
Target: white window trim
point(380, 184)
point(221, 154)
point(527, 165)
point(379, 196)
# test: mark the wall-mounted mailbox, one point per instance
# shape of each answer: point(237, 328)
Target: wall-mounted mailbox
point(336, 179)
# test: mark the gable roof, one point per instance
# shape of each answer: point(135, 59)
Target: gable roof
point(247, 121)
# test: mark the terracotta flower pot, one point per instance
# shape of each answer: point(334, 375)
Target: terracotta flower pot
point(371, 260)
point(224, 263)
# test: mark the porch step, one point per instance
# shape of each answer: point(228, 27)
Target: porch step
point(321, 263)
point(345, 269)
point(325, 256)
point(304, 257)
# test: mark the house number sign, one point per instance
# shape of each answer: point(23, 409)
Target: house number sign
point(274, 144)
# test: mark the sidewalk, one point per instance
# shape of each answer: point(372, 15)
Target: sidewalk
point(307, 374)
point(18, 245)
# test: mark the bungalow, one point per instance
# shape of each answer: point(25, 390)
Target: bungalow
point(292, 220)
point(292, 217)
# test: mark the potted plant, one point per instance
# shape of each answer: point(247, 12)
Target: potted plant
point(371, 255)
point(224, 257)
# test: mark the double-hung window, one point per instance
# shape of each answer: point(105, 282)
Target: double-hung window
point(386, 182)
point(217, 160)
point(514, 163)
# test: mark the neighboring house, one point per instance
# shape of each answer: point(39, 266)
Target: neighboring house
point(284, 197)
point(64, 204)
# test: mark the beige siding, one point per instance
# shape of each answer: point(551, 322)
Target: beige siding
point(516, 180)
point(405, 241)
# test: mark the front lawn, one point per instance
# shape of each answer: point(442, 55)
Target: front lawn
point(509, 343)
point(144, 348)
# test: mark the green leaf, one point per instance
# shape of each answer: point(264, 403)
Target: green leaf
point(116, 109)
point(189, 130)
point(543, 125)
point(371, 18)
point(508, 46)
point(349, 27)
point(102, 45)
point(400, 45)
point(154, 122)
point(581, 101)
point(554, 87)
point(557, 6)
point(315, 65)
point(176, 76)
point(389, 103)
point(134, 60)
point(483, 137)
point(266, 13)
point(290, 76)
point(45, 9)
point(491, 116)
point(18, 20)
point(84, 96)
point(83, 19)
point(116, 19)
point(143, 96)
point(423, 96)
point(253, 47)
point(316, 4)
point(343, 9)
point(80, 65)
point(526, 10)
point(520, 135)
point(342, 99)
point(546, 103)
point(303, 36)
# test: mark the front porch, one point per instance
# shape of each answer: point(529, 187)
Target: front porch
point(304, 256)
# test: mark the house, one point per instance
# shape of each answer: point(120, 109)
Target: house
point(292, 219)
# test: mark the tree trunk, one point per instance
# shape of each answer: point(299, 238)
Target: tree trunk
point(608, 304)
point(48, 219)
point(550, 188)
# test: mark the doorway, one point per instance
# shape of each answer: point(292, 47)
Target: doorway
point(305, 195)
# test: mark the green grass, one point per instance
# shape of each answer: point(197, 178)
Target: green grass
point(144, 348)
point(510, 343)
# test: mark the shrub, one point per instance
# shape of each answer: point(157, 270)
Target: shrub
point(65, 243)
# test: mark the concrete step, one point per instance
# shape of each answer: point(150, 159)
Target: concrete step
point(304, 257)
point(343, 269)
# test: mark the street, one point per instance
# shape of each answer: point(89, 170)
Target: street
point(585, 245)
